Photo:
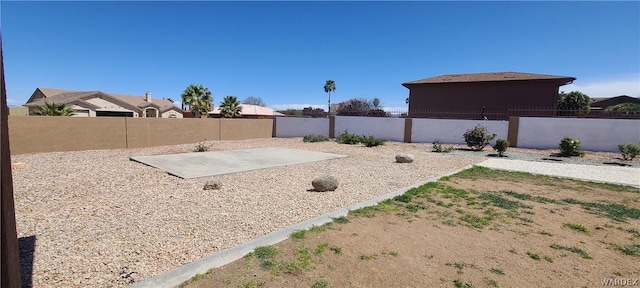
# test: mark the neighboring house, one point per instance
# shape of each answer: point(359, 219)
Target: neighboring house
point(466, 96)
point(603, 103)
point(250, 111)
point(101, 104)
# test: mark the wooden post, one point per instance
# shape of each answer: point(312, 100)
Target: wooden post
point(512, 137)
point(332, 126)
point(408, 126)
point(9, 257)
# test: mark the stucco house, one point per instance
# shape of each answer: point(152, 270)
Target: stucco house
point(467, 96)
point(251, 111)
point(101, 104)
point(603, 103)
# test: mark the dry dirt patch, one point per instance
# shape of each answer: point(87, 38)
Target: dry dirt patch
point(479, 228)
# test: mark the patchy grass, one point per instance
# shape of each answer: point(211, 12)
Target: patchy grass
point(539, 199)
point(501, 202)
point(265, 252)
point(534, 256)
point(320, 284)
point(631, 250)
point(479, 221)
point(576, 250)
point(298, 235)
point(321, 248)
point(252, 284)
point(577, 227)
point(341, 220)
point(460, 284)
point(336, 250)
point(368, 257)
point(197, 277)
point(548, 258)
point(634, 232)
point(613, 211)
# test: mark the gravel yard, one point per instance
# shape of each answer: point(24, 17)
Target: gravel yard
point(101, 220)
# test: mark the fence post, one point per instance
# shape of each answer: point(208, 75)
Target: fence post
point(9, 259)
point(408, 126)
point(512, 134)
point(332, 126)
point(273, 130)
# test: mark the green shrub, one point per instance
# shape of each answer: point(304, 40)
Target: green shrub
point(570, 147)
point(201, 147)
point(501, 146)
point(437, 147)
point(629, 151)
point(348, 138)
point(371, 141)
point(314, 138)
point(478, 137)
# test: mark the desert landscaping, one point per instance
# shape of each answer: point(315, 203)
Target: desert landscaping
point(95, 218)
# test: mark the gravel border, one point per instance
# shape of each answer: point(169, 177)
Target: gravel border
point(101, 220)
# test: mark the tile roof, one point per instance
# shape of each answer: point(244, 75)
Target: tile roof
point(130, 101)
point(489, 76)
point(252, 110)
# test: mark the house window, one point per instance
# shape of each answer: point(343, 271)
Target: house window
point(151, 113)
point(172, 116)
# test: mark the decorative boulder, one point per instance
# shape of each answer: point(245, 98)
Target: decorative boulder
point(212, 185)
point(404, 158)
point(325, 183)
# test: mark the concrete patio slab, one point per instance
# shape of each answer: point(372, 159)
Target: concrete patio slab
point(206, 164)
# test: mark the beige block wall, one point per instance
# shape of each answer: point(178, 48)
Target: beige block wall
point(35, 134)
point(54, 133)
point(241, 129)
point(149, 132)
point(18, 111)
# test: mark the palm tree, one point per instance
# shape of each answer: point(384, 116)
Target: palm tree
point(230, 107)
point(53, 109)
point(197, 98)
point(329, 86)
point(376, 103)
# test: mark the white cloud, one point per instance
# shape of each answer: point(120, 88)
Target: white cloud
point(607, 88)
point(296, 106)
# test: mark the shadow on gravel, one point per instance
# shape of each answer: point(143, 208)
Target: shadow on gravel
point(27, 247)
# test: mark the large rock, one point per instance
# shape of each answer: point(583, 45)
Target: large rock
point(325, 183)
point(212, 185)
point(404, 158)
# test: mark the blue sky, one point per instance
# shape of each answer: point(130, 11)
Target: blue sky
point(283, 52)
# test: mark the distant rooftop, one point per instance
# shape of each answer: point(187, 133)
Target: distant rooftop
point(489, 76)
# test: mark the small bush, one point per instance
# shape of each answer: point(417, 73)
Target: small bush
point(371, 141)
point(437, 147)
point(629, 151)
point(570, 147)
point(314, 138)
point(501, 146)
point(478, 137)
point(201, 147)
point(348, 138)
